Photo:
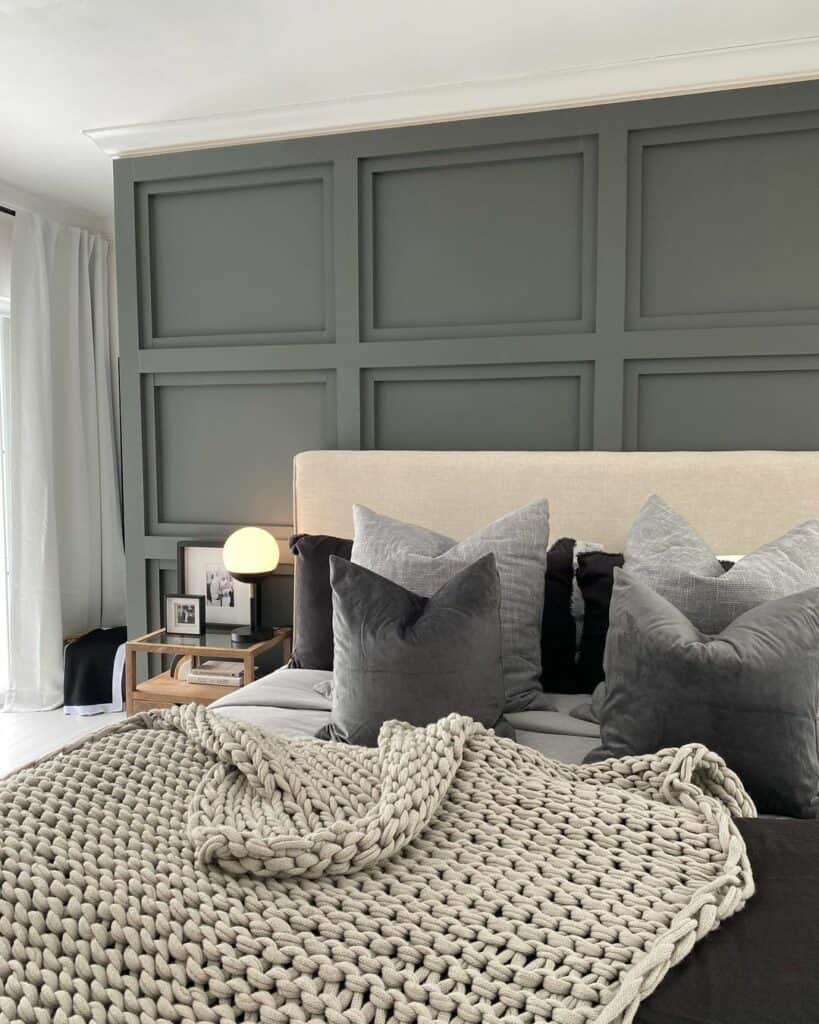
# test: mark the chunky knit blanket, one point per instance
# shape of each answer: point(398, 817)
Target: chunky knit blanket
point(185, 867)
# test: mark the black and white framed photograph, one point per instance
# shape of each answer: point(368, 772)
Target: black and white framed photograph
point(185, 614)
point(200, 570)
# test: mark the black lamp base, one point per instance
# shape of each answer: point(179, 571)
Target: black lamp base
point(254, 633)
point(246, 635)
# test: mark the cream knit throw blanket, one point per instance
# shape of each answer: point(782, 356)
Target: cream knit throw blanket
point(185, 867)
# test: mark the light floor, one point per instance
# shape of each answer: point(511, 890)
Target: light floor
point(26, 736)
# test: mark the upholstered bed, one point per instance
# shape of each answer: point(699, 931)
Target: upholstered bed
point(225, 865)
point(759, 968)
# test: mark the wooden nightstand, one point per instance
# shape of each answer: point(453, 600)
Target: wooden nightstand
point(164, 691)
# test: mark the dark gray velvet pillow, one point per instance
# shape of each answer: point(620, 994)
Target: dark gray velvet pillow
point(422, 561)
point(751, 693)
point(416, 659)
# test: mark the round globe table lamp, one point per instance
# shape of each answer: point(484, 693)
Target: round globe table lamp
point(251, 554)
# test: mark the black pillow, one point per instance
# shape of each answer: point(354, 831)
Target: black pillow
point(595, 577)
point(416, 659)
point(575, 574)
point(313, 599)
point(558, 637)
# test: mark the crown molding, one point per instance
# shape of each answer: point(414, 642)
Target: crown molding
point(671, 74)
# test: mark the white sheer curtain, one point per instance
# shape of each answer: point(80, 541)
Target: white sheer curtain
point(65, 553)
point(4, 620)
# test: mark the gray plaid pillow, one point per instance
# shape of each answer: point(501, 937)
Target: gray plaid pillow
point(422, 561)
point(664, 551)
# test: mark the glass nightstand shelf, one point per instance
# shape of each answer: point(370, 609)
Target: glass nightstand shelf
point(165, 691)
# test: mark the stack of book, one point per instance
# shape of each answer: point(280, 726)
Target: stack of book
point(218, 673)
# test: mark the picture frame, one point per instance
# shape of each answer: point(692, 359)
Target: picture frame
point(201, 571)
point(185, 614)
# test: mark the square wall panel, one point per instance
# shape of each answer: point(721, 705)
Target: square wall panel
point(495, 240)
point(237, 259)
point(723, 224)
point(544, 407)
point(220, 446)
point(722, 404)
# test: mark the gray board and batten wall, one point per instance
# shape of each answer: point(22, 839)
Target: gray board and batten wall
point(630, 276)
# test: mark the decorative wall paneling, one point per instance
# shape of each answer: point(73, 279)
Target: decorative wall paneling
point(633, 276)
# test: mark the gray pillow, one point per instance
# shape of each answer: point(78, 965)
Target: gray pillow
point(751, 693)
point(422, 561)
point(665, 552)
point(416, 659)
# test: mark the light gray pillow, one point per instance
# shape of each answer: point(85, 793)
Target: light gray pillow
point(422, 561)
point(751, 693)
point(664, 551)
point(416, 659)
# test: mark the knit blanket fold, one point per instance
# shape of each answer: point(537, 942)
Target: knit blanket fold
point(267, 809)
point(187, 867)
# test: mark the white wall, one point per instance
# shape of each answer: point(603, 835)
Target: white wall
point(6, 228)
point(65, 213)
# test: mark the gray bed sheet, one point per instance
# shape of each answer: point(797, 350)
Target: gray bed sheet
point(286, 702)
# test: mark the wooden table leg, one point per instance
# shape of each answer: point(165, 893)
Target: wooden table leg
point(130, 679)
point(249, 663)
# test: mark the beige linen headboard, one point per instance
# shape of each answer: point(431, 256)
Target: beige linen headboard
point(736, 500)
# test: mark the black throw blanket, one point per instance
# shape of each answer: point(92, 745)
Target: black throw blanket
point(89, 664)
point(759, 967)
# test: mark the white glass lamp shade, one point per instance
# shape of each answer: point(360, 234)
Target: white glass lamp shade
point(250, 553)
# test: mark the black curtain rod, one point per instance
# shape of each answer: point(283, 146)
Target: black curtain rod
point(5, 209)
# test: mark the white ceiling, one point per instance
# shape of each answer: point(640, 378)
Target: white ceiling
point(262, 68)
